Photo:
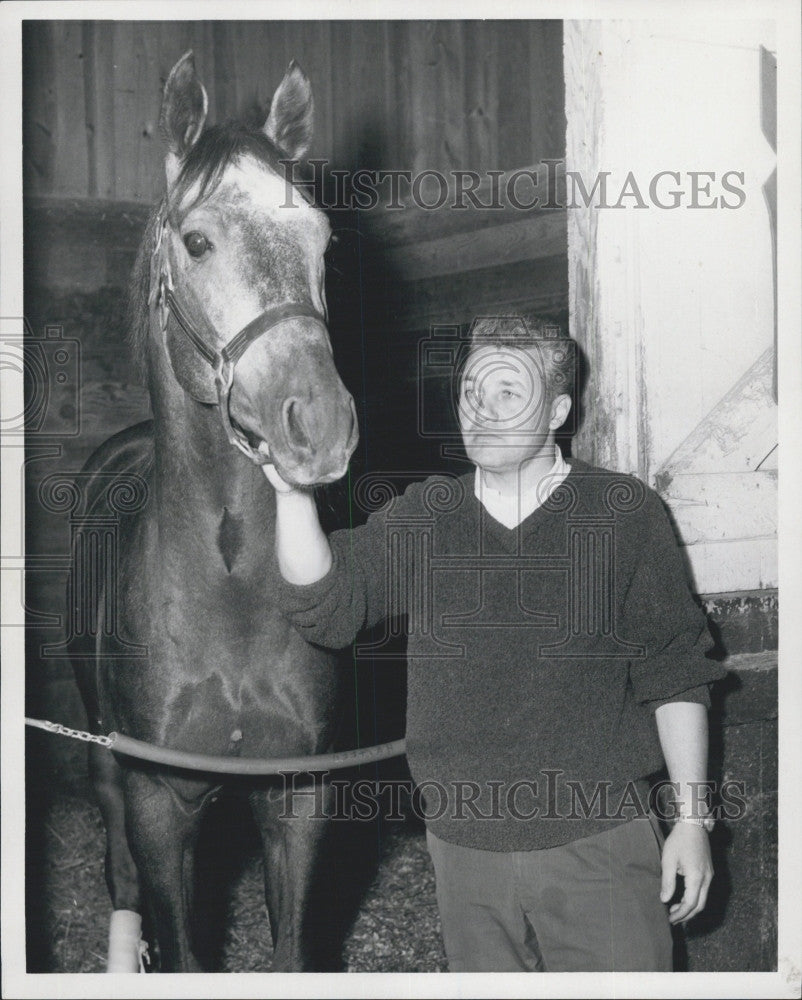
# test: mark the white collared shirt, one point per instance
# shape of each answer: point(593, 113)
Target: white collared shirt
point(512, 510)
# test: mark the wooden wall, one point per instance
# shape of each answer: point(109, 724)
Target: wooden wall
point(677, 322)
point(413, 95)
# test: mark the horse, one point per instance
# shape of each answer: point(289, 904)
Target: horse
point(229, 323)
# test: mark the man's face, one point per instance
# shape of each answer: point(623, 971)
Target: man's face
point(504, 412)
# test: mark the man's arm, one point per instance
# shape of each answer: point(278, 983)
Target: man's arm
point(332, 587)
point(302, 550)
point(682, 727)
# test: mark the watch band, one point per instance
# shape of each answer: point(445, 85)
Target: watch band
point(706, 822)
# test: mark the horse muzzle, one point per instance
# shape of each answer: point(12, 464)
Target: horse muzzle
point(290, 407)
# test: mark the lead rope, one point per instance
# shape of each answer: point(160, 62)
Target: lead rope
point(131, 747)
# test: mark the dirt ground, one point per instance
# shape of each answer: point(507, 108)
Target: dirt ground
point(379, 908)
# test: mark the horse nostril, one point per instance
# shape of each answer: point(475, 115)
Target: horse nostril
point(294, 427)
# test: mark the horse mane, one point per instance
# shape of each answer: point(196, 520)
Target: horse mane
point(207, 160)
point(138, 295)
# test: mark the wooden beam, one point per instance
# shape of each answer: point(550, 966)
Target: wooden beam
point(722, 506)
point(116, 227)
point(80, 244)
point(537, 286)
point(505, 191)
point(532, 238)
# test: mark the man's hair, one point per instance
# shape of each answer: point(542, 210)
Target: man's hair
point(555, 350)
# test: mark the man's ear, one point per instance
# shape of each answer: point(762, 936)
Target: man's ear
point(560, 408)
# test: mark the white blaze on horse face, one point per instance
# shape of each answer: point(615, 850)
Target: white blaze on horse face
point(267, 247)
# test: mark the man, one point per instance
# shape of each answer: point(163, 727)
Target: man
point(555, 660)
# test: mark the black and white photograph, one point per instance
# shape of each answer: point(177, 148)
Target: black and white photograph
point(392, 521)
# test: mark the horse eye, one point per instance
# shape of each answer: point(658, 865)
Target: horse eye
point(196, 244)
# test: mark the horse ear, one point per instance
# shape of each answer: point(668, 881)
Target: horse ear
point(183, 112)
point(289, 124)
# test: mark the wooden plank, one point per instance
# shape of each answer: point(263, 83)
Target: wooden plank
point(39, 112)
point(450, 46)
point(554, 90)
point(403, 85)
point(367, 76)
point(275, 46)
point(418, 95)
point(537, 237)
point(517, 90)
point(80, 245)
point(718, 506)
point(125, 84)
point(150, 148)
point(275, 65)
point(481, 97)
point(307, 42)
point(536, 286)
point(391, 96)
point(595, 440)
point(172, 41)
point(547, 81)
point(90, 101)
point(71, 169)
point(532, 238)
point(414, 224)
point(424, 137)
point(320, 63)
point(738, 433)
point(175, 38)
point(344, 102)
point(733, 565)
point(203, 42)
point(98, 74)
point(225, 76)
point(246, 47)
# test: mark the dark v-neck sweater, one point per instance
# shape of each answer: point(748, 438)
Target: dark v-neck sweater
point(536, 655)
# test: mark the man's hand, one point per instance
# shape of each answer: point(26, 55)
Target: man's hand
point(279, 485)
point(687, 853)
point(302, 550)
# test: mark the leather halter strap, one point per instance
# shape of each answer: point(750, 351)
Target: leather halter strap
point(224, 361)
point(240, 343)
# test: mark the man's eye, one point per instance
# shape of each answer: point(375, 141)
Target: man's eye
point(197, 244)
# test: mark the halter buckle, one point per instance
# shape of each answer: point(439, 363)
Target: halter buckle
point(223, 380)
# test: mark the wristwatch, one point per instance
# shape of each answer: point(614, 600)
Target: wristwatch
point(706, 822)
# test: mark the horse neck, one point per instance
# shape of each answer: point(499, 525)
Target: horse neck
point(200, 480)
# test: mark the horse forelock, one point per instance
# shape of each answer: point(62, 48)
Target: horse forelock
point(218, 148)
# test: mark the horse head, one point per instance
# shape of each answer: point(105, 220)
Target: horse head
point(237, 281)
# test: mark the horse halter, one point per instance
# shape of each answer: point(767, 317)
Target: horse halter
point(223, 362)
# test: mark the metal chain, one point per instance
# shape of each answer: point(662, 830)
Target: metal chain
point(76, 734)
point(225, 765)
